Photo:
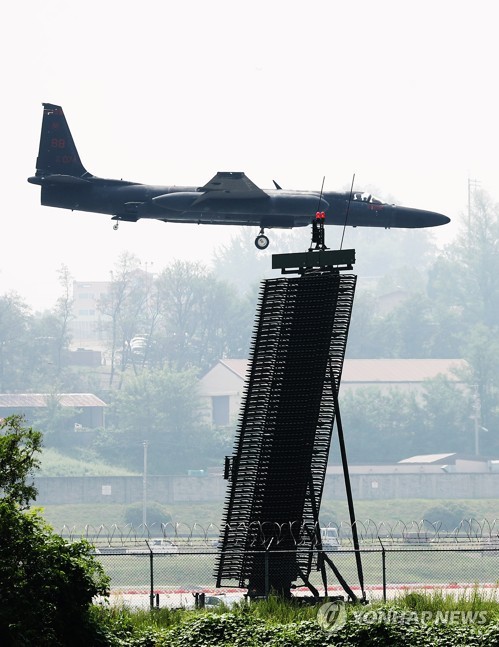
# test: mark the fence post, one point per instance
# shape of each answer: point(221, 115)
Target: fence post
point(151, 576)
point(199, 600)
point(266, 573)
point(383, 568)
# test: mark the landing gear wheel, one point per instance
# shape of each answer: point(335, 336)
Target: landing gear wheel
point(261, 241)
point(116, 225)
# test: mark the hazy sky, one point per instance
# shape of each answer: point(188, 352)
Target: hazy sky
point(404, 95)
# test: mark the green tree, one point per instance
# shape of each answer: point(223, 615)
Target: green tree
point(407, 331)
point(55, 421)
point(387, 254)
point(481, 350)
point(124, 305)
point(386, 426)
point(465, 284)
point(162, 408)
point(239, 262)
point(15, 344)
point(466, 275)
point(379, 425)
point(46, 584)
point(476, 251)
point(64, 313)
point(157, 401)
point(33, 346)
point(445, 408)
point(201, 317)
point(19, 449)
point(365, 328)
point(448, 515)
point(183, 287)
point(156, 514)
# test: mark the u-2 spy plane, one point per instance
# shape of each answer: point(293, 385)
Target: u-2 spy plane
point(229, 198)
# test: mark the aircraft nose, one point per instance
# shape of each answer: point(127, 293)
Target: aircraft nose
point(416, 218)
point(433, 219)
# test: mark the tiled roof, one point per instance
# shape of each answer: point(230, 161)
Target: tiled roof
point(34, 400)
point(379, 370)
point(399, 370)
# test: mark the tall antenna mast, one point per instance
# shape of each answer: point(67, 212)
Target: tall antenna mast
point(348, 211)
point(472, 187)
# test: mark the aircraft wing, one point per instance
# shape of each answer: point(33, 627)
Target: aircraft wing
point(230, 185)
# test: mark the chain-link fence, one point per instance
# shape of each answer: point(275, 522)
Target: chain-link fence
point(173, 563)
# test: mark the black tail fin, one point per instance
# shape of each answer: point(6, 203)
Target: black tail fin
point(57, 154)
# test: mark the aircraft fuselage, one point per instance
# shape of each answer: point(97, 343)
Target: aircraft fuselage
point(280, 209)
point(229, 198)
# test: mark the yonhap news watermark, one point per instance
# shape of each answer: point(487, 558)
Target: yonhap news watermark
point(333, 615)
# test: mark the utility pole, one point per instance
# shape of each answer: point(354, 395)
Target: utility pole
point(472, 186)
point(144, 485)
point(476, 417)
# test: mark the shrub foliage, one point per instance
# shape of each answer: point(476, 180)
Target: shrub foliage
point(46, 585)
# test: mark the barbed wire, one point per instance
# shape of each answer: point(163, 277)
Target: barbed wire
point(468, 531)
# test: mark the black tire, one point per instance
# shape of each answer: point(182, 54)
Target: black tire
point(261, 242)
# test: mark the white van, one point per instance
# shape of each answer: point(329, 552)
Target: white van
point(330, 539)
point(156, 546)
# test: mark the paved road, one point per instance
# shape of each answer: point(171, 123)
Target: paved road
point(185, 599)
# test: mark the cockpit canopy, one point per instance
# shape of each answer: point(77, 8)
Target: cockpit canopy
point(363, 196)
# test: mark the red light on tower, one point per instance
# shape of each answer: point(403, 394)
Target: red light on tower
point(318, 230)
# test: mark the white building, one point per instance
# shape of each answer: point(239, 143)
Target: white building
point(87, 323)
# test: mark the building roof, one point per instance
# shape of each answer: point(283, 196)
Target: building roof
point(399, 370)
point(428, 458)
point(35, 400)
point(452, 458)
point(379, 371)
point(237, 366)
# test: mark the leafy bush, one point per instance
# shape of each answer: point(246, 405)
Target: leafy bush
point(447, 515)
point(46, 585)
point(156, 514)
point(19, 449)
point(282, 623)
